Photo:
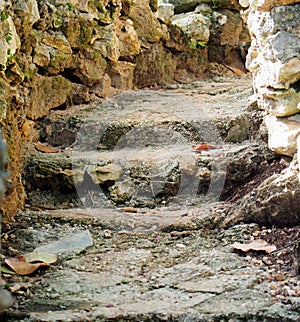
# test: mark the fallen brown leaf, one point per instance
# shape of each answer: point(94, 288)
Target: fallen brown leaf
point(203, 147)
point(258, 245)
point(22, 267)
point(237, 71)
point(45, 149)
point(129, 209)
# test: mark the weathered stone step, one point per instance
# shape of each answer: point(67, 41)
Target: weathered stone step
point(205, 111)
point(145, 177)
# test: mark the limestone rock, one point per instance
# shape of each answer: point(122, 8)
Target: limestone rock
point(280, 102)
point(121, 74)
point(53, 53)
point(47, 93)
point(145, 23)
point(283, 133)
point(101, 174)
point(28, 10)
point(274, 54)
point(231, 29)
point(157, 64)
point(165, 12)
point(194, 25)
point(4, 100)
point(276, 202)
point(266, 5)
point(89, 66)
point(128, 39)
point(104, 88)
point(105, 40)
point(9, 42)
point(189, 5)
point(78, 29)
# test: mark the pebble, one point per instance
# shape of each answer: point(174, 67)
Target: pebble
point(180, 246)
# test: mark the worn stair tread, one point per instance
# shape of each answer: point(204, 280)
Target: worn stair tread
point(124, 219)
point(202, 113)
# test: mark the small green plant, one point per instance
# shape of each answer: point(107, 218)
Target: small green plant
point(10, 56)
point(3, 16)
point(70, 7)
point(8, 37)
point(214, 4)
point(196, 43)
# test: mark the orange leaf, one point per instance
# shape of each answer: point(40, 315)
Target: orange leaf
point(203, 147)
point(21, 267)
point(258, 245)
point(45, 149)
point(237, 71)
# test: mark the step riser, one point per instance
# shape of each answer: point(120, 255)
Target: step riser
point(148, 177)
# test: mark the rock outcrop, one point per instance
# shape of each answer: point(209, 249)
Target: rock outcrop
point(274, 62)
point(273, 59)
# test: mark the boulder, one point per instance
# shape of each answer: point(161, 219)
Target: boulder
point(128, 39)
point(145, 23)
point(9, 42)
point(189, 5)
point(46, 94)
point(53, 53)
point(89, 66)
point(280, 102)
point(266, 5)
point(105, 40)
point(155, 62)
point(121, 74)
point(283, 133)
point(276, 202)
point(165, 12)
point(194, 25)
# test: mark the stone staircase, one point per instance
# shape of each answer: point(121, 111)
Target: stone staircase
point(119, 188)
point(135, 149)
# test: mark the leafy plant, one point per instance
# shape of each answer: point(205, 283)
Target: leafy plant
point(8, 37)
point(70, 7)
point(214, 4)
point(196, 43)
point(3, 16)
point(10, 56)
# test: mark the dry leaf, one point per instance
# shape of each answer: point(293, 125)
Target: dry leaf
point(40, 257)
point(129, 209)
point(258, 245)
point(22, 267)
point(203, 147)
point(46, 149)
point(237, 71)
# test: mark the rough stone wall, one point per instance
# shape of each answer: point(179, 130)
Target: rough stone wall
point(274, 60)
point(58, 53)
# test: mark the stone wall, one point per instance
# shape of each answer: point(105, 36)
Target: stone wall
point(58, 53)
point(274, 61)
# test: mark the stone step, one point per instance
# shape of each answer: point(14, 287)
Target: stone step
point(145, 177)
point(203, 111)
